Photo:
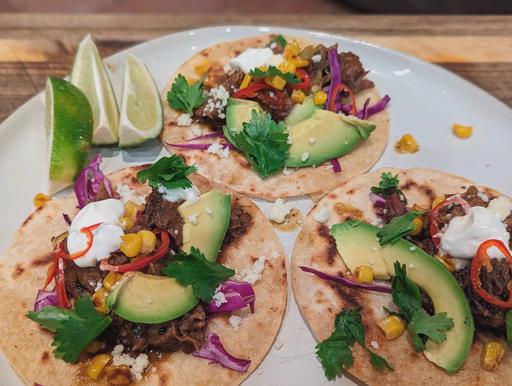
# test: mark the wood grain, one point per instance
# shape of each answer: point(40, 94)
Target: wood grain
point(35, 46)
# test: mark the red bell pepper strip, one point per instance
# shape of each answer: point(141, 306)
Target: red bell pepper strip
point(435, 231)
point(482, 260)
point(304, 77)
point(90, 238)
point(60, 285)
point(251, 90)
point(339, 88)
point(138, 264)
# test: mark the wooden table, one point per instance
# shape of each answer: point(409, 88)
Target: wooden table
point(35, 46)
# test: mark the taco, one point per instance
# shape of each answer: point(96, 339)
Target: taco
point(264, 116)
point(403, 275)
point(159, 276)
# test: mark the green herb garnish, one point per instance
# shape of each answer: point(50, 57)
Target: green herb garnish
point(186, 97)
point(335, 352)
point(407, 297)
point(280, 39)
point(194, 269)
point(74, 329)
point(388, 184)
point(274, 71)
point(169, 172)
point(397, 228)
point(263, 142)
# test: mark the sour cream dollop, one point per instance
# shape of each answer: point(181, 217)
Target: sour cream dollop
point(106, 238)
point(464, 234)
point(252, 58)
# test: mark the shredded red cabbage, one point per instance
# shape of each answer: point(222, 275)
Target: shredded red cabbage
point(335, 71)
point(217, 134)
point(347, 282)
point(364, 110)
point(239, 294)
point(367, 110)
point(45, 299)
point(336, 167)
point(66, 218)
point(377, 200)
point(197, 146)
point(88, 183)
point(213, 350)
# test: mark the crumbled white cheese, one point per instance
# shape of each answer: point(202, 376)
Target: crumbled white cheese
point(253, 274)
point(227, 68)
point(196, 131)
point(193, 218)
point(98, 286)
point(136, 364)
point(289, 141)
point(411, 266)
point(304, 156)
point(287, 171)
point(372, 262)
point(316, 58)
point(412, 248)
point(219, 149)
point(312, 141)
point(209, 211)
point(128, 194)
point(375, 344)
point(217, 101)
point(184, 120)
point(329, 166)
point(484, 197)
point(322, 215)
point(273, 45)
point(219, 298)
point(501, 207)
point(279, 211)
point(178, 194)
point(274, 254)
point(235, 321)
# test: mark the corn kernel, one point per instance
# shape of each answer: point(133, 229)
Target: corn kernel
point(98, 299)
point(407, 144)
point(203, 67)
point(291, 50)
point(97, 365)
point(287, 66)
point(437, 201)
point(299, 62)
point(418, 208)
point(131, 244)
point(492, 354)
point(462, 131)
point(320, 98)
point(263, 68)
point(118, 375)
point(278, 82)
point(40, 199)
point(298, 96)
point(447, 262)
point(417, 226)
point(148, 241)
point(95, 346)
point(246, 81)
point(392, 326)
point(126, 223)
point(131, 209)
point(111, 280)
point(363, 274)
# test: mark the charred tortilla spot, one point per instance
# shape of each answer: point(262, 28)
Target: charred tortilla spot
point(347, 295)
point(162, 379)
point(45, 356)
point(41, 261)
point(31, 216)
point(332, 196)
point(408, 185)
point(331, 252)
point(350, 192)
point(18, 270)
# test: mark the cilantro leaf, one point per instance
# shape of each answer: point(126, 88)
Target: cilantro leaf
point(281, 40)
point(406, 294)
point(170, 172)
point(433, 327)
point(263, 142)
point(388, 184)
point(274, 71)
point(397, 228)
point(74, 329)
point(508, 325)
point(186, 97)
point(349, 321)
point(194, 269)
point(379, 362)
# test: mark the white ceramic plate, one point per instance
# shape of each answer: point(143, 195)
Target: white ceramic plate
point(426, 101)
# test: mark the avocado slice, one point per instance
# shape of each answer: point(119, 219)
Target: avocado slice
point(206, 221)
point(357, 243)
point(142, 298)
point(301, 111)
point(238, 111)
point(324, 136)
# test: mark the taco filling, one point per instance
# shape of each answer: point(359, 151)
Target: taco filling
point(135, 277)
point(280, 105)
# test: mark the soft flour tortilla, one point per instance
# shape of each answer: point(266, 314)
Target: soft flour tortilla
point(320, 301)
point(235, 171)
point(23, 270)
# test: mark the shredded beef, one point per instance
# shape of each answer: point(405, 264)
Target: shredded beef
point(352, 72)
point(427, 304)
point(471, 196)
point(276, 48)
point(277, 103)
point(80, 280)
point(396, 205)
point(508, 225)
point(231, 81)
point(238, 225)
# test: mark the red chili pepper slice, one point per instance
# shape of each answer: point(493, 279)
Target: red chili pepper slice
point(60, 286)
point(90, 238)
point(339, 88)
point(435, 231)
point(304, 77)
point(482, 260)
point(136, 265)
point(251, 90)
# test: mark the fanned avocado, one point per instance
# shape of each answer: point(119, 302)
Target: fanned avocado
point(238, 111)
point(358, 245)
point(301, 112)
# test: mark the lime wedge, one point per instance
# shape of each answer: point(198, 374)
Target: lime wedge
point(68, 124)
point(90, 76)
point(141, 107)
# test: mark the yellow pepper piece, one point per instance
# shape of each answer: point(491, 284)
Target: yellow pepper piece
point(287, 66)
point(364, 274)
point(320, 98)
point(392, 326)
point(126, 223)
point(437, 201)
point(98, 299)
point(407, 144)
point(95, 346)
point(299, 62)
point(131, 244)
point(278, 82)
point(148, 241)
point(111, 279)
point(40, 199)
point(246, 81)
point(291, 50)
point(492, 354)
point(97, 365)
point(131, 209)
point(298, 96)
point(462, 131)
point(203, 67)
point(417, 226)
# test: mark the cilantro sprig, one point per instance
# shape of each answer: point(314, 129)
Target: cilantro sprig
point(263, 142)
point(388, 184)
point(194, 269)
point(281, 40)
point(274, 71)
point(186, 97)
point(407, 297)
point(335, 352)
point(169, 172)
point(398, 227)
point(74, 329)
